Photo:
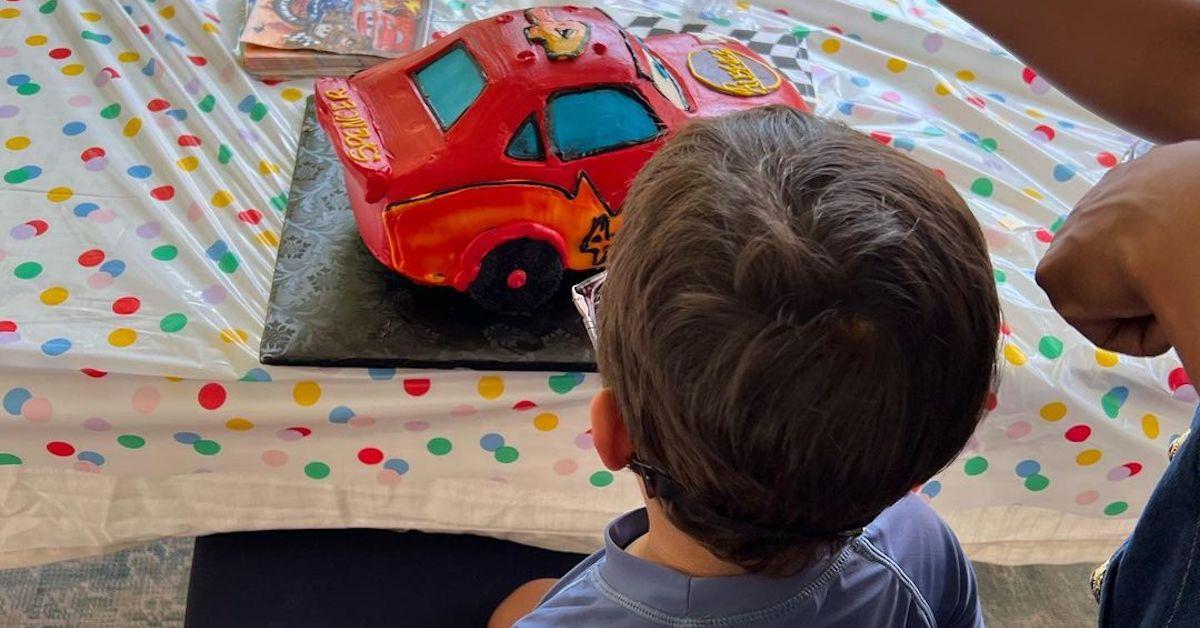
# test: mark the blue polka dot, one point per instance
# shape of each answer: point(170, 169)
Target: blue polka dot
point(933, 131)
point(92, 457)
point(17, 79)
point(997, 97)
point(14, 399)
point(256, 375)
point(904, 143)
point(83, 209)
point(381, 374)
point(56, 346)
point(175, 40)
point(187, 438)
point(578, 377)
point(217, 250)
point(855, 36)
point(491, 442)
point(113, 267)
point(845, 108)
point(74, 128)
point(31, 172)
point(1066, 124)
point(1026, 468)
point(932, 488)
point(861, 81)
point(341, 414)
point(1063, 173)
point(140, 171)
point(970, 137)
point(399, 465)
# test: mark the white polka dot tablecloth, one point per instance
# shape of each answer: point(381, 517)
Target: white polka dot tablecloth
point(144, 182)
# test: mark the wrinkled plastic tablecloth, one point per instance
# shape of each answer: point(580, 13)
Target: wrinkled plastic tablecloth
point(144, 178)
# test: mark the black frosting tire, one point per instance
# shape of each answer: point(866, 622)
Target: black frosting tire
point(517, 277)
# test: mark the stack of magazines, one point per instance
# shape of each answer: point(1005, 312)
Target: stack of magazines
point(301, 38)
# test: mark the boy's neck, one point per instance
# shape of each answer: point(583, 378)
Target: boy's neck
point(666, 545)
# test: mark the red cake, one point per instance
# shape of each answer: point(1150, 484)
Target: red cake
point(498, 156)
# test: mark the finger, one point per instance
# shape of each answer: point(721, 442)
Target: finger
point(1137, 337)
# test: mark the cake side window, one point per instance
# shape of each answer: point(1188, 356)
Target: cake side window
point(450, 84)
point(598, 120)
point(526, 144)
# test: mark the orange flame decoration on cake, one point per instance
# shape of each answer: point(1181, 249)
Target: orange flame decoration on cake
point(562, 39)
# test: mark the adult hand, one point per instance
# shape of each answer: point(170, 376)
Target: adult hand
point(1124, 269)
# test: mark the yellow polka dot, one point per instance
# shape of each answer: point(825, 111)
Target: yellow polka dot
point(1106, 359)
point(942, 89)
point(1034, 194)
point(291, 94)
point(128, 56)
point(1088, 457)
point(306, 393)
point(831, 46)
point(232, 336)
point(188, 164)
point(72, 69)
point(1054, 411)
point(222, 198)
point(545, 421)
point(173, 378)
point(90, 16)
point(490, 387)
point(743, 5)
point(965, 76)
point(36, 40)
point(17, 142)
point(268, 238)
point(1034, 113)
point(897, 65)
point(210, 28)
point(122, 337)
point(265, 167)
point(60, 194)
point(238, 424)
point(167, 12)
point(54, 295)
point(132, 127)
point(1013, 354)
point(1150, 426)
point(10, 13)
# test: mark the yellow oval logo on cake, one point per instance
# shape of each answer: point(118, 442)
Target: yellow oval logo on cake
point(731, 72)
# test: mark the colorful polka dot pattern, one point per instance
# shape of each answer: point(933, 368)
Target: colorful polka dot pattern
point(152, 177)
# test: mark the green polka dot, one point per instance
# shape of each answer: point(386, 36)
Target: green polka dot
point(228, 262)
point(601, 478)
point(1115, 508)
point(1037, 482)
point(173, 322)
point(207, 103)
point(9, 459)
point(48, 7)
point(457, 5)
point(507, 454)
point(131, 441)
point(258, 112)
point(316, 470)
point(878, 16)
point(15, 176)
point(279, 201)
point(1057, 224)
point(933, 131)
point(989, 144)
point(224, 154)
point(165, 253)
point(975, 465)
point(562, 384)
point(720, 21)
point(111, 111)
point(1000, 275)
point(1050, 346)
point(800, 32)
point(439, 446)
point(207, 447)
point(983, 186)
point(29, 89)
point(27, 270)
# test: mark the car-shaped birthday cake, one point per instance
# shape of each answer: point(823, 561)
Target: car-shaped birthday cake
point(499, 156)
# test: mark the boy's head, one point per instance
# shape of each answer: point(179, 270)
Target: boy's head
point(799, 326)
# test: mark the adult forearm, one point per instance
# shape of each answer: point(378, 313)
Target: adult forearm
point(1131, 61)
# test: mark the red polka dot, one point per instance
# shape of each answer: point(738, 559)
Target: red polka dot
point(416, 387)
point(91, 153)
point(302, 431)
point(145, 28)
point(1108, 160)
point(198, 60)
point(252, 216)
point(1078, 433)
point(59, 448)
point(271, 81)
point(7, 326)
point(370, 455)
point(189, 140)
point(1134, 468)
point(163, 193)
point(836, 29)
point(96, 373)
point(1044, 235)
point(881, 137)
point(125, 306)
point(91, 257)
point(1177, 377)
point(991, 402)
point(1045, 131)
point(1005, 329)
point(60, 53)
point(211, 396)
point(39, 226)
point(524, 404)
point(157, 104)
point(977, 102)
point(1028, 75)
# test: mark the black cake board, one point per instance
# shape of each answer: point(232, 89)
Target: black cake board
point(333, 304)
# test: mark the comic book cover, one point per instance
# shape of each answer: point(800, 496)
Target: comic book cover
point(383, 28)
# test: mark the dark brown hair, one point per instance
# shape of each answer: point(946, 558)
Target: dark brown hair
point(800, 325)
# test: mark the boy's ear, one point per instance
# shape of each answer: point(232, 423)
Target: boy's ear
point(608, 431)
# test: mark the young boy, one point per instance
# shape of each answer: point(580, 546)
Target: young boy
point(799, 326)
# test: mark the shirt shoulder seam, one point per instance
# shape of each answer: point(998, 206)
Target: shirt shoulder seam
point(868, 550)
